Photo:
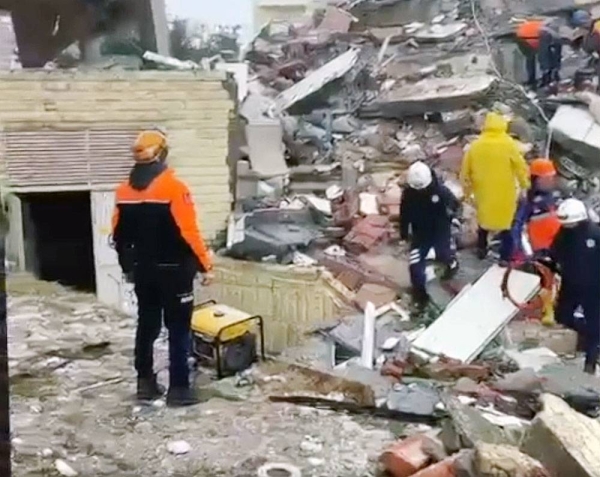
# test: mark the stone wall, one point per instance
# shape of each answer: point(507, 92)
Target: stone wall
point(291, 300)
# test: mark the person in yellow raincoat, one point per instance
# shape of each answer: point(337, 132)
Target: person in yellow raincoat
point(493, 171)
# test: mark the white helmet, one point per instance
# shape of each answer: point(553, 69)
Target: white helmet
point(572, 211)
point(334, 192)
point(419, 175)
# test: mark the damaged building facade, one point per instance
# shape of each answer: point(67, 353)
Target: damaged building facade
point(65, 142)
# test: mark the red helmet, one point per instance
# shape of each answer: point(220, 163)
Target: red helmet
point(542, 168)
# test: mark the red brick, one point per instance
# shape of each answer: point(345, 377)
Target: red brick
point(444, 468)
point(406, 457)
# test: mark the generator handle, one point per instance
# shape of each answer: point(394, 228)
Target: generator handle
point(205, 303)
point(220, 332)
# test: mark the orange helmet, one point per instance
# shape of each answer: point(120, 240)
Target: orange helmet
point(149, 146)
point(542, 168)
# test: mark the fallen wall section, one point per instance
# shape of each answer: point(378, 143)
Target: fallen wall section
point(290, 299)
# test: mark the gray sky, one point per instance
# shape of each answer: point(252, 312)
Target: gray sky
point(213, 11)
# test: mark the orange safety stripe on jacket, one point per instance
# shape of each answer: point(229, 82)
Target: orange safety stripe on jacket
point(530, 32)
point(167, 189)
point(542, 229)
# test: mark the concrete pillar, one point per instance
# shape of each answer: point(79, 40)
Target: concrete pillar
point(15, 244)
point(154, 28)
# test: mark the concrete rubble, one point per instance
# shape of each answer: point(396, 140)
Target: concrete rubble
point(335, 109)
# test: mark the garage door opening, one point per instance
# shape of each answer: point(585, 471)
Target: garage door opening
point(57, 229)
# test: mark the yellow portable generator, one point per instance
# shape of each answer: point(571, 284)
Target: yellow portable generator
point(225, 338)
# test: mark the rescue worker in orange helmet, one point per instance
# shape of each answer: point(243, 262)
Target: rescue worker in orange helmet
point(537, 222)
point(540, 42)
point(160, 250)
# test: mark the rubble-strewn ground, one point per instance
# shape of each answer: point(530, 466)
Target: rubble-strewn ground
point(72, 399)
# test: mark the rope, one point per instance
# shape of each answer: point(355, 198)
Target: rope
point(547, 282)
point(497, 72)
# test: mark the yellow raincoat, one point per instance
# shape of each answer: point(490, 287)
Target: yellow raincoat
point(492, 170)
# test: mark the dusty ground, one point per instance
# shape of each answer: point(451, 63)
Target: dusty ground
point(72, 399)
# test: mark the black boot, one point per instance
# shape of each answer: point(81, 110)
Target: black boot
point(182, 397)
point(420, 298)
point(591, 360)
point(148, 389)
point(450, 271)
point(590, 367)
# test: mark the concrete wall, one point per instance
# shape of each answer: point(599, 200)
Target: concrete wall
point(291, 300)
point(194, 108)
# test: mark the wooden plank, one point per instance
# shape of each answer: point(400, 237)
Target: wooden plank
point(473, 320)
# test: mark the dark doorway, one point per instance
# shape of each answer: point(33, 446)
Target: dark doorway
point(57, 229)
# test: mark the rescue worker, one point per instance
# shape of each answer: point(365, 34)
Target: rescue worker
point(576, 255)
point(537, 223)
point(160, 250)
point(427, 208)
point(537, 213)
point(490, 171)
point(540, 42)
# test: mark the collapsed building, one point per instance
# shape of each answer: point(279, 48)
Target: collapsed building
point(304, 175)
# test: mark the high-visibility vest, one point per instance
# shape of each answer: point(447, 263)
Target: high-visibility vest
point(542, 228)
point(530, 31)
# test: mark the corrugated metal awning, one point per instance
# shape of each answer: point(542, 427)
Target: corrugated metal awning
point(67, 158)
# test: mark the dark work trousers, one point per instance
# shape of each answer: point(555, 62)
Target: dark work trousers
point(164, 294)
point(530, 55)
point(445, 252)
point(588, 327)
point(506, 243)
point(550, 58)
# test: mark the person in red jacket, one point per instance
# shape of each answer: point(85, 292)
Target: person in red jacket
point(160, 250)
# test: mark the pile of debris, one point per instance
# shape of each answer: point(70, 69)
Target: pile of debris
point(508, 398)
point(338, 106)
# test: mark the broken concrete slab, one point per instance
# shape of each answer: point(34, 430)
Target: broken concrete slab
point(353, 371)
point(336, 20)
point(414, 398)
point(575, 129)
point(564, 441)
point(312, 83)
point(560, 340)
point(274, 232)
point(493, 460)
point(465, 316)
point(430, 95)
point(266, 148)
point(534, 358)
point(467, 428)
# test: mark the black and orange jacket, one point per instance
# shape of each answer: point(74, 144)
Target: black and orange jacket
point(532, 31)
point(154, 222)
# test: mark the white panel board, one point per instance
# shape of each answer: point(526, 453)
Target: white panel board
point(473, 320)
point(110, 286)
